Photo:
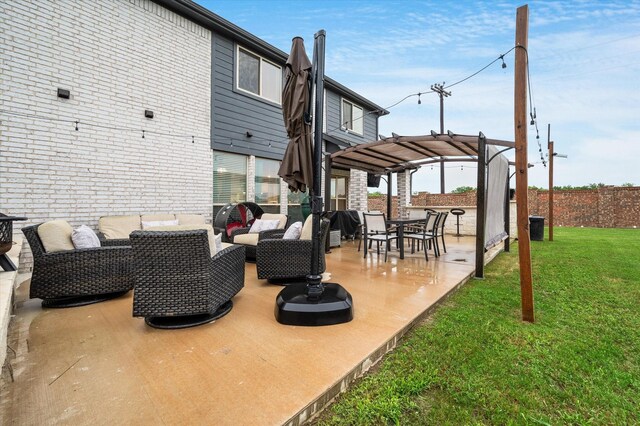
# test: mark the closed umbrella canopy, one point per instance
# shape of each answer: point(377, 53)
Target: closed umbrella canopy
point(296, 168)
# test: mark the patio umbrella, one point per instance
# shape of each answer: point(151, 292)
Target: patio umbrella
point(296, 168)
point(313, 302)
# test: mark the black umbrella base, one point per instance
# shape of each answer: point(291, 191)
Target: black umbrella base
point(74, 301)
point(186, 321)
point(293, 307)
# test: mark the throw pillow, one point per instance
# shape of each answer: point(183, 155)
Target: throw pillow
point(56, 236)
point(218, 239)
point(294, 231)
point(84, 237)
point(147, 225)
point(263, 225)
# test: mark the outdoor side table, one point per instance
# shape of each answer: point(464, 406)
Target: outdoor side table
point(457, 213)
point(6, 240)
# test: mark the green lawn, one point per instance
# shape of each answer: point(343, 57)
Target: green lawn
point(475, 362)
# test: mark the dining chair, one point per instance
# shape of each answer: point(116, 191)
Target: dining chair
point(440, 232)
point(421, 234)
point(375, 229)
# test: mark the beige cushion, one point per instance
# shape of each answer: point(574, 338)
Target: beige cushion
point(190, 219)
point(157, 217)
point(151, 224)
point(246, 239)
point(225, 245)
point(307, 230)
point(116, 227)
point(56, 236)
point(281, 218)
point(208, 228)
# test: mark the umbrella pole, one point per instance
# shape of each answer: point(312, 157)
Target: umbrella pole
point(314, 303)
point(314, 280)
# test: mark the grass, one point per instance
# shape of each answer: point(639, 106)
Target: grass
point(475, 362)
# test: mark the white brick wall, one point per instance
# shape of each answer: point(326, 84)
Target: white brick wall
point(117, 58)
point(358, 191)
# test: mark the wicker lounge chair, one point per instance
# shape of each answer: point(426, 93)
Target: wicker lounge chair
point(288, 261)
point(250, 240)
point(78, 277)
point(178, 283)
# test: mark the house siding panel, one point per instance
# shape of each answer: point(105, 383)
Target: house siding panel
point(235, 113)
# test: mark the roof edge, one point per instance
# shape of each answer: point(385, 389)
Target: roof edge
point(203, 16)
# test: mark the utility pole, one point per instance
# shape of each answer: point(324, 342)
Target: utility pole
point(520, 124)
point(439, 89)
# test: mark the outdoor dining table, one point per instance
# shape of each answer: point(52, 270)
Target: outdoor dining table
point(400, 224)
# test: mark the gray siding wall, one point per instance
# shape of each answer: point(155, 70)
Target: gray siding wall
point(334, 119)
point(234, 113)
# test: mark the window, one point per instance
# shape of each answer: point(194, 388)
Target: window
point(259, 76)
point(268, 185)
point(229, 178)
point(339, 187)
point(352, 117)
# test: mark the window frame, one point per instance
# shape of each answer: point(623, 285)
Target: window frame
point(334, 196)
point(343, 125)
point(262, 60)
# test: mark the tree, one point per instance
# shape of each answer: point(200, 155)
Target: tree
point(463, 189)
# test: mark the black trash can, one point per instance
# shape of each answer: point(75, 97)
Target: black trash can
point(536, 228)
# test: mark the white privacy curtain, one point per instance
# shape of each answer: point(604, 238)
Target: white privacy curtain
point(496, 195)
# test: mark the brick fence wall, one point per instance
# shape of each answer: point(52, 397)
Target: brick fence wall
point(607, 207)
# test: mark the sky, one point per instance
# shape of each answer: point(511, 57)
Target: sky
point(584, 64)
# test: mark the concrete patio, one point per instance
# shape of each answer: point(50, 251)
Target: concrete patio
point(97, 364)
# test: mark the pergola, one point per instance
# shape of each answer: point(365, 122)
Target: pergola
point(402, 154)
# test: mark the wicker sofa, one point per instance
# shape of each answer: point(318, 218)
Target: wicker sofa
point(178, 283)
point(78, 277)
point(115, 230)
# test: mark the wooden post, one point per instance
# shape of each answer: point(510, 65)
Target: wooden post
point(520, 124)
point(481, 205)
point(389, 206)
point(507, 215)
point(551, 155)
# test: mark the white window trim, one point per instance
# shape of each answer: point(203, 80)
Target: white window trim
point(342, 126)
point(262, 58)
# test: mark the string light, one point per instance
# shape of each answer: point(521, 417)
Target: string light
point(503, 63)
point(270, 141)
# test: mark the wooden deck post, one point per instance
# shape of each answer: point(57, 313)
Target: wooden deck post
point(481, 205)
point(520, 123)
point(551, 155)
point(507, 214)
